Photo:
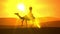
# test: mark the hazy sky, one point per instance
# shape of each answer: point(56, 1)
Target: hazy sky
point(41, 8)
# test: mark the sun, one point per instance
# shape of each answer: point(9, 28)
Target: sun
point(21, 7)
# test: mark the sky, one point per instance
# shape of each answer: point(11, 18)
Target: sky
point(41, 8)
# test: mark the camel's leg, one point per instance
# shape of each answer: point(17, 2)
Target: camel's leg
point(26, 23)
point(22, 22)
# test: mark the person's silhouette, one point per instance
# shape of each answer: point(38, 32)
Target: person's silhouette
point(30, 8)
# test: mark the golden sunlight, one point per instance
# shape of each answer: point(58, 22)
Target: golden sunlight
point(21, 7)
point(39, 9)
point(36, 23)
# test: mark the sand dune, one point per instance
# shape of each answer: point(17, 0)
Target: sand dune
point(44, 22)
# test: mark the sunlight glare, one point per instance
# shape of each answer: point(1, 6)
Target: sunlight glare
point(21, 7)
point(36, 23)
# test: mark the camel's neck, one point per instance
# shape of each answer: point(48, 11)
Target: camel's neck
point(19, 16)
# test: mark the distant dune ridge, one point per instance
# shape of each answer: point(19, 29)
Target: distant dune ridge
point(44, 22)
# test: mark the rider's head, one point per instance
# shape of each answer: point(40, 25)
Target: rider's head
point(30, 8)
